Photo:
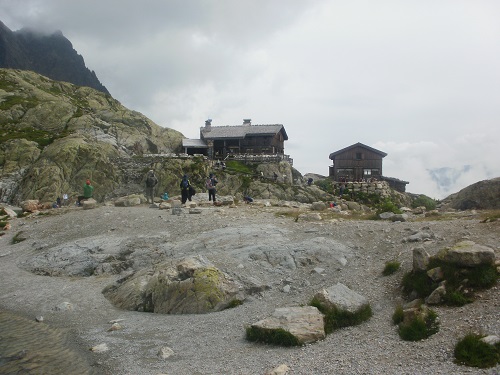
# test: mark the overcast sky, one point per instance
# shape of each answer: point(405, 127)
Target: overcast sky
point(417, 79)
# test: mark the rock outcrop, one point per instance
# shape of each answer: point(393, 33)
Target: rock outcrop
point(481, 195)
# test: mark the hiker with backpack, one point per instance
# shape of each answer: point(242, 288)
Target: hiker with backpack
point(210, 185)
point(151, 182)
point(185, 189)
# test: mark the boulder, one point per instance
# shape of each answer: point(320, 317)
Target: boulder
point(130, 200)
point(304, 323)
point(420, 259)
point(318, 206)
point(468, 254)
point(340, 297)
point(30, 205)
point(89, 204)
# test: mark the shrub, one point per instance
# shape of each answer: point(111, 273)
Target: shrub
point(419, 328)
point(471, 351)
point(272, 336)
point(388, 206)
point(335, 318)
point(423, 200)
point(391, 267)
point(18, 238)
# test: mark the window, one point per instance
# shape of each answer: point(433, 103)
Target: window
point(359, 155)
point(367, 172)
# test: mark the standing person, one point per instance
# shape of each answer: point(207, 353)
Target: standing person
point(151, 182)
point(185, 185)
point(210, 184)
point(88, 191)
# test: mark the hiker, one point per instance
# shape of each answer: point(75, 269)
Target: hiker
point(247, 199)
point(210, 184)
point(185, 185)
point(309, 181)
point(151, 182)
point(88, 190)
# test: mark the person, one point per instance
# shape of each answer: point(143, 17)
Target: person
point(210, 184)
point(309, 181)
point(65, 200)
point(151, 182)
point(185, 185)
point(342, 187)
point(275, 176)
point(88, 191)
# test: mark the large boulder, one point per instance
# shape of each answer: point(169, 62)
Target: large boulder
point(189, 286)
point(468, 254)
point(304, 323)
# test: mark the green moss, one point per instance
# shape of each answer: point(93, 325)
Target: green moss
point(456, 298)
point(335, 318)
point(234, 303)
point(398, 315)
point(206, 283)
point(391, 267)
point(471, 351)
point(419, 328)
point(276, 336)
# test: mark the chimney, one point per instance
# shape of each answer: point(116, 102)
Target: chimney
point(247, 121)
point(208, 125)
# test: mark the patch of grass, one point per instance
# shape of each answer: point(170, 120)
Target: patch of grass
point(484, 276)
point(418, 282)
point(239, 167)
point(391, 267)
point(488, 216)
point(271, 336)
point(18, 237)
point(420, 328)
point(398, 315)
point(335, 318)
point(456, 298)
point(3, 224)
point(471, 351)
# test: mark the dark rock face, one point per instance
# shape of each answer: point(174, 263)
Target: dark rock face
point(481, 195)
point(50, 55)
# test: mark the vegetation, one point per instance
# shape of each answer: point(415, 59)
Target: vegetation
point(391, 267)
point(325, 185)
point(42, 137)
point(471, 351)
point(18, 238)
point(488, 216)
point(458, 279)
point(276, 336)
point(425, 201)
point(387, 205)
point(335, 318)
point(234, 303)
point(419, 328)
point(398, 315)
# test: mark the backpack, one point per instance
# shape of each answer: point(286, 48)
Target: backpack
point(208, 184)
point(151, 181)
point(185, 184)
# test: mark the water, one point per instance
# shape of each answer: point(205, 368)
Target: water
point(29, 347)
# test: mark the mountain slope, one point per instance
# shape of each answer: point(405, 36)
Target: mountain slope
point(54, 135)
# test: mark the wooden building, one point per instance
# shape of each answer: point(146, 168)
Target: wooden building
point(218, 142)
point(356, 162)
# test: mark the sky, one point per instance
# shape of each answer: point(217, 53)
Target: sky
point(416, 79)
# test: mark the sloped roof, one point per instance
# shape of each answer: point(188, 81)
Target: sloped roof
point(241, 131)
point(333, 154)
point(193, 143)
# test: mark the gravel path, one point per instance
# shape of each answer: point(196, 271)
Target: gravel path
point(234, 239)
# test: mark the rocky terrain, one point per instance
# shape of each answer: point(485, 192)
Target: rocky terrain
point(282, 253)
